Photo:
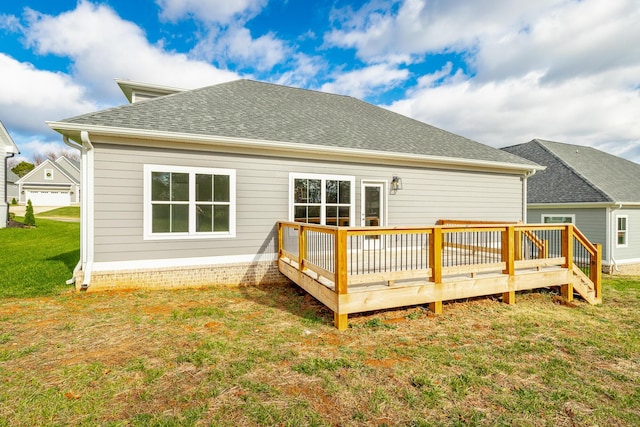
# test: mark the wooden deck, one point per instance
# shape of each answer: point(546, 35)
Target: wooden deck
point(357, 269)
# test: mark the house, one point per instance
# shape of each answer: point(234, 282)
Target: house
point(186, 189)
point(596, 191)
point(9, 149)
point(51, 184)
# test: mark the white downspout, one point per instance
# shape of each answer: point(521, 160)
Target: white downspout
point(524, 194)
point(613, 228)
point(86, 208)
point(87, 214)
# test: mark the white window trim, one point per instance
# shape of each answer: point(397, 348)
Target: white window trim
point(626, 231)
point(50, 172)
point(324, 178)
point(572, 216)
point(191, 234)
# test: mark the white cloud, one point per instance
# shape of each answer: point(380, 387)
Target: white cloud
point(419, 26)
point(218, 11)
point(103, 46)
point(565, 70)
point(29, 96)
point(236, 45)
point(363, 82)
point(516, 110)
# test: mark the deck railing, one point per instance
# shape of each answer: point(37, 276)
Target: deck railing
point(344, 259)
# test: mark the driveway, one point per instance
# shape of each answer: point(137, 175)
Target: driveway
point(20, 210)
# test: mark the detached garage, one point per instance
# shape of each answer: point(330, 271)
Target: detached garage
point(48, 198)
point(51, 184)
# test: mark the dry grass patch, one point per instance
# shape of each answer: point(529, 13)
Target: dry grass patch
point(270, 356)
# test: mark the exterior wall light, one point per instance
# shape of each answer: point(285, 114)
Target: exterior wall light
point(396, 184)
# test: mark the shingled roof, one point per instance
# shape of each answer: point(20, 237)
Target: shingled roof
point(578, 174)
point(267, 112)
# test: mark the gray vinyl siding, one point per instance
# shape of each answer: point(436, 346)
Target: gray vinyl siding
point(592, 222)
point(262, 196)
point(632, 251)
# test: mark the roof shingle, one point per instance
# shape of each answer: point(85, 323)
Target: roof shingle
point(578, 174)
point(263, 111)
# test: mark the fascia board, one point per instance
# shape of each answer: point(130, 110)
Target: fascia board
point(584, 205)
point(10, 147)
point(72, 130)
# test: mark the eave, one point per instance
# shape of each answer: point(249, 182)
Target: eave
point(581, 205)
point(152, 138)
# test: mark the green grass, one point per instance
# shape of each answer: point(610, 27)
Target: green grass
point(256, 356)
point(64, 212)
point(38, 261)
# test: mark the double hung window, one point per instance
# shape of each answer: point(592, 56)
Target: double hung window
point(622, 229)
point(186, 202)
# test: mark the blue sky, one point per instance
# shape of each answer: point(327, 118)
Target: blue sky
point(501, 72)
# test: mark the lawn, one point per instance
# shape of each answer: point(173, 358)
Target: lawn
point(264, 356)
point(37, 261)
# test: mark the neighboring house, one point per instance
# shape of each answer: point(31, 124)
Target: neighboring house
point(51, 184)
point(12, 187)
point(9, 148)
point(186, 189)
point(596, 191)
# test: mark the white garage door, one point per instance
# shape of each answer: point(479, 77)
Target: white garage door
point(48, 198)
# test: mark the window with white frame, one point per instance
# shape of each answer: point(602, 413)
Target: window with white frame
point(622, 229)
point(188, 202)
point(322, 199)
point(559, 219)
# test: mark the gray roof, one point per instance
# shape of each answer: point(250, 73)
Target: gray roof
point(578, 174)
point(262, 111)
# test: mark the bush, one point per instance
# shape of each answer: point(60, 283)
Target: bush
point(29, 219)
point(14, 201)
point(12, 216)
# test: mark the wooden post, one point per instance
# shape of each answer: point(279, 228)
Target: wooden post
point(435, 262)
point(508, 257)
point(302, 247)
point(435, 255)
point(566, 291)
point(508, 246)
point(596, 271)
point(341, 276)
point(435, 307)
point(567, 246)
point(518, 245)
point(280, 240)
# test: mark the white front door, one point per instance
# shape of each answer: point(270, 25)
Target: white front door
point(372, 210)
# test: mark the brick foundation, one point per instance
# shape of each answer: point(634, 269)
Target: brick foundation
point(245, 274)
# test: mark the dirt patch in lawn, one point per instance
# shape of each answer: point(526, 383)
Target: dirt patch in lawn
point(271, 356)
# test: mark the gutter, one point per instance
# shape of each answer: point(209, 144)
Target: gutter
point(525, 177)
point(6, 158)
point(232, 143)
point(612, 235)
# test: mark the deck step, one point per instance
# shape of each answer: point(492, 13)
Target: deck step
point(583, 285)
